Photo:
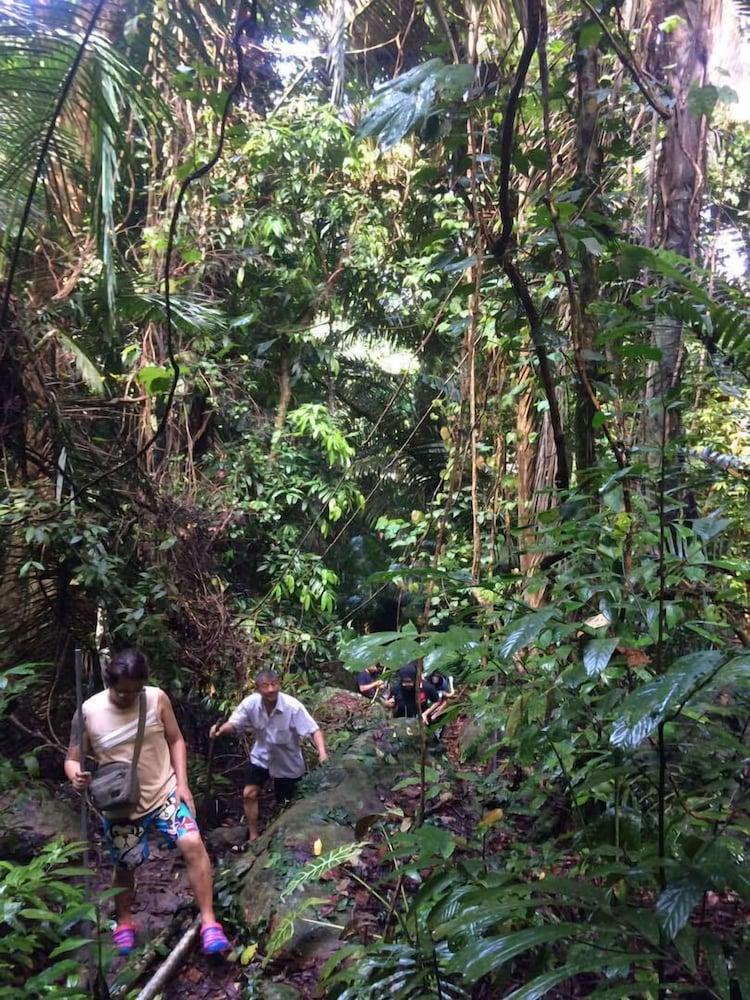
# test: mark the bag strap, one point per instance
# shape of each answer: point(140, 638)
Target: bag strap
point(139, 733)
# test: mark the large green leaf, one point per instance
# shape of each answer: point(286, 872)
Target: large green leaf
point(105, 99)
point(476, 920)
point(193, 314)
point(440, 658)
point(70, 944)
point(440, 649)
point(597, 655)
point(719, 459)
point(426, 842)
point(724, 324)
point(524, 630)
point(392, 649)
point(540, 986)
point(410, 98)
point(737, 671)
point(710, 526)
point(634, 258)
point(315, 869)
point(676, 903)
point(723, 866)
point(457, 638)
point(722, 320)
point(703, 100)
point(155, 379)
point(652, 703)
point(485, 955)
point(86, 366)
point(396, 649)
point(38, 46)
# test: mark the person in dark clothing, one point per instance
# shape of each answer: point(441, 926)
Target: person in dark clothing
point(444, 687)
point(368, 682)
point(439, 681)
point(403, 698)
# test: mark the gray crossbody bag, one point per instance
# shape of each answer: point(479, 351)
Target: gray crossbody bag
point(115, 789)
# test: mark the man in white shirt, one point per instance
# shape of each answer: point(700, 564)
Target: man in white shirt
point(279, 722)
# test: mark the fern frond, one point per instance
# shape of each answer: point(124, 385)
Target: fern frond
point(719, 325)
point(316, 869)
point(285, 930)
point(727, 463)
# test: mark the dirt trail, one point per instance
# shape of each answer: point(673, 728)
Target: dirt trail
point(164, 903)
point(164, 899)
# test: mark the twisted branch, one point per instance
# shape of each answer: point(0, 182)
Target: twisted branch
point(501, 246)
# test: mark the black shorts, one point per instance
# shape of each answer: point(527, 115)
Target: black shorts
point(283, 788)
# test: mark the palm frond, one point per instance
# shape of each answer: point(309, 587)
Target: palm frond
point(86, 366)
point(106, 171)
point(337, 52)
point(192, 315)
point(36, 52)
point(372, 39)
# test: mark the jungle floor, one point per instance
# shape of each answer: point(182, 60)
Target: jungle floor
point(163, 906)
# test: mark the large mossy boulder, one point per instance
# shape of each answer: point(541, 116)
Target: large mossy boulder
point(355, 783)
point(472, 737)
point(348, 711)
point(32, 817)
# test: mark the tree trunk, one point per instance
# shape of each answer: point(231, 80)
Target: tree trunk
point(589, 161)
point(680, 59)
point(536, 460)
point(285, 395)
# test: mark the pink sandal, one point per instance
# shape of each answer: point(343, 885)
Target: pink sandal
point(213, 939)
point(124, 938)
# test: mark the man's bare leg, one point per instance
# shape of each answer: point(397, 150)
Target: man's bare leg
point(250, 795)
point(200, 874)
point(124, 879)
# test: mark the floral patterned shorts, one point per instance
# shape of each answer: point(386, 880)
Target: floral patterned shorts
point(127, 839)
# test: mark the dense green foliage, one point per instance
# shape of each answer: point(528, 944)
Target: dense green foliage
point(623, 738)
point(457, 360)
point(40, 907)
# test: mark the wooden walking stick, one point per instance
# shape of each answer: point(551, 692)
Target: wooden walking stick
point(209, 810)
point(82, 752)
point(99, 988)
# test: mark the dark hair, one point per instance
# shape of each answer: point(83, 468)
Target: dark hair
point(408, 673)
point(264, 676)
point(128, 665)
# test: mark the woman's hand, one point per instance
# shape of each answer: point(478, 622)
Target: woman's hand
point(184, 794)
point(81, 780)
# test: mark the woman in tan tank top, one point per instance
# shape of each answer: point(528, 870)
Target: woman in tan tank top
point(165, 805)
